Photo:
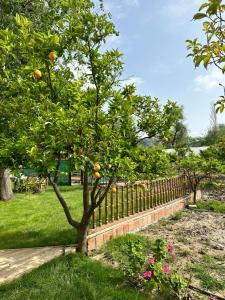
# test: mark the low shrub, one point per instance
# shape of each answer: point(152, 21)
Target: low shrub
point(151, 273)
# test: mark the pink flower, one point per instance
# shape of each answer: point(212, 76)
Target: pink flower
point(166, 269)
point(147, 274)
point(170, 247)
point(212, 298)
point(152, 260)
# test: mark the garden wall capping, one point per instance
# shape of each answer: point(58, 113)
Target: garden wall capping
point(100, 235)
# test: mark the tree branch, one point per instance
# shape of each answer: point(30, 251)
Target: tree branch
point(63, 203)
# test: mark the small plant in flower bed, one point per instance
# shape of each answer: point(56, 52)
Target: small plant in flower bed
point(159, 277)
point(152, 274)
point(130, 252)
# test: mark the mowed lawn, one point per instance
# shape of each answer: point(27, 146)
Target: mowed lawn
point(32, 220)
point(72, 277)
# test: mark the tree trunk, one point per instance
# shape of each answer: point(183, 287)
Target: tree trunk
point(6, 192)
point(82, 239)
point(195, 194)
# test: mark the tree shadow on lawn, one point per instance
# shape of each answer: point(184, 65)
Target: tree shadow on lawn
point(32, 238)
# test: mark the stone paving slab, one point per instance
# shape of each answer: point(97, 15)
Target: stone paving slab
point(16, 262)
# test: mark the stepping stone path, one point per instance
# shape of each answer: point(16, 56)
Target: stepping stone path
point(16, 262)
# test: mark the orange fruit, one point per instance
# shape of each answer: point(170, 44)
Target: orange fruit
point(81, 151)
point(37, 74)
point(52, 56)
point(97, 167)
point(113, 189)
point(97, 175)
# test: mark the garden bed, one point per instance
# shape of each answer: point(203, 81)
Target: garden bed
point(199, 240)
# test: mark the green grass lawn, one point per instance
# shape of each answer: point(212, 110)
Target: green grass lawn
point(71, 277)
point(31, 220)
point(212, 205)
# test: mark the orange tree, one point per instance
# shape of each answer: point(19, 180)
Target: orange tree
point(63, 101)
point(199, 167)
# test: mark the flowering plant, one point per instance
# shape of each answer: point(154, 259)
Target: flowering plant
point(158, 275)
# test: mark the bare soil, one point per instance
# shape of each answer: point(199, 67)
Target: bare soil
point(199, 239)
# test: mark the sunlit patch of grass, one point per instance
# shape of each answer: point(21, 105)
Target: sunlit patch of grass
point(212, 205)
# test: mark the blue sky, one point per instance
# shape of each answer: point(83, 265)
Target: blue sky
point(152, 39)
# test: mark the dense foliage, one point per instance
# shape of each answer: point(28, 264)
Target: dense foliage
point(62, 99)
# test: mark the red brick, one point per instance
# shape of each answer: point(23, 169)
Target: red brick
point(131, 226)
point(91, 244)
point(119, 230)
point(99, 240)
point(107, 236)
point(126, 228)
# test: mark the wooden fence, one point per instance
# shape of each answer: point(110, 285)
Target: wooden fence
point(131, 199)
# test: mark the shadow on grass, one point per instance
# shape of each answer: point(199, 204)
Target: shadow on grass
point(32, 238)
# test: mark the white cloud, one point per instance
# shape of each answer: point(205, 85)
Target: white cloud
point(118, 8)
point(180, 8)
point(209, 81)
point(133, 80)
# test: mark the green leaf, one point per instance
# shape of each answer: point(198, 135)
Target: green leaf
point(206, 60)
point(198, 60)
point(199, 16)
point(203, 6)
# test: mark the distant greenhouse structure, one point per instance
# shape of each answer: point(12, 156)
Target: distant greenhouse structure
point(196, 150)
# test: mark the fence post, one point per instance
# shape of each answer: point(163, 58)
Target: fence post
point(132, 200)
point(150, 194)
point(127, 196)
point(106, 209)
point(136, 195)
point(93, 220)
point(163, 191)
point(140, 201)
point(112, 206)
point(122, 202)
point(100, 214)
point(117, 204)
point(147, 193)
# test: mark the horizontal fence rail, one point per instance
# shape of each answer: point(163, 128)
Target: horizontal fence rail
point(141, 196)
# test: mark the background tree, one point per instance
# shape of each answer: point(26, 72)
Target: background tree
point(212, 51)
point(178, 134)
point(66, 102)
point(213, 137)
point(199, 167)
point(151, 162)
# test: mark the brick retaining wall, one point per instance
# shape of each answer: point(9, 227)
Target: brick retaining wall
point(97, 237)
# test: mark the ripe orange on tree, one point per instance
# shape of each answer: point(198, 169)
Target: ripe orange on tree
point(113, 189)
point(52, 56)
point(37, 74)
point(97, 167)
point(97, 175)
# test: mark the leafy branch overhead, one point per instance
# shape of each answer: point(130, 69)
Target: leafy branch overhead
point(212, 51)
